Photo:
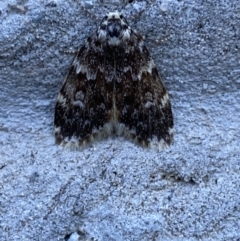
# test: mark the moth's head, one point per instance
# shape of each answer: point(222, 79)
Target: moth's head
point(114, 29)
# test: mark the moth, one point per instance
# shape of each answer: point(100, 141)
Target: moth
point(113, 88)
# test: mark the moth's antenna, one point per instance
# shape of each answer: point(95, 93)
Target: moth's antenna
point(125, 2)
point(138, 15)
point(87, 12)
point(158, 41)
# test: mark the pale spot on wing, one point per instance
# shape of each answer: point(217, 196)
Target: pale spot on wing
point(79, 67)
point(146, 68)
point(157, 145)
point(79, 95)
point(61, 99)
point(79, 104)
point(57, 130)
point(148, 104)
point(165, 99)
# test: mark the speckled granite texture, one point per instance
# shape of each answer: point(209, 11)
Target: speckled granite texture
point(115, 190)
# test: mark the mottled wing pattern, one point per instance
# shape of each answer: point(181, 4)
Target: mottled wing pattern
point(141, 97)
point(85, 99)
point(113, 87)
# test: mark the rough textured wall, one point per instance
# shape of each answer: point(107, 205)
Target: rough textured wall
point(115, 190)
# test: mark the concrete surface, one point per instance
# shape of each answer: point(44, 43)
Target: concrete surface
point(115, 190)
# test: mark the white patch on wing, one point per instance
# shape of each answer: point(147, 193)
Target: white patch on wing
point(146, 68)
point(61, 99)
point(165, 99)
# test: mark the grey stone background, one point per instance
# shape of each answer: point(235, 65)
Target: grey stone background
point(115, 190)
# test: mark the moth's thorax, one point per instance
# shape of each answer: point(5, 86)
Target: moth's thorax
point(114, 29)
